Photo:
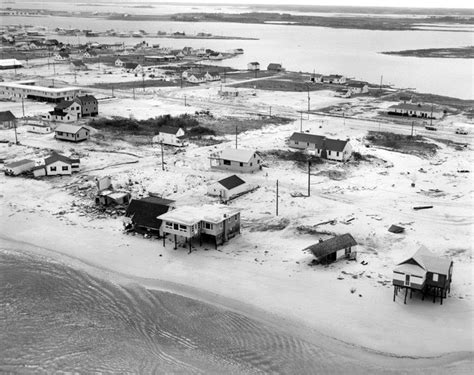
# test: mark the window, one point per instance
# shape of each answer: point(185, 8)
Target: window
point(407, 280)
point(169, 225)
point(182, 227)
point(52, 169)
point(241, 164)
point(175, 226)
point(296, 142)
point(250, 164)
point(208, 226)
point(226, 162)
point(329, 153)
point(337, 153)
point(307, 144)
point(435, 277)
point(65, 168)
point(60, 133)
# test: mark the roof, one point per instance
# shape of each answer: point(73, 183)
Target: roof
point(7, 116)
point(18, 163)
point(190, 215)
point(64, 104)
point(63, 54)
point(67, 128)
point(78, 63)
point(411, 269)
point(320, 141)
point(31, 87)
point(254, 63)
point(239, 155)
point(430, 262)
point(130, 65)
point(86, 98)
point(169, 129)
point(146, 210)
point(274, 66)
point(38, 125)
point(197, 75)
point(231, 182)
point(58, 157)
point(396, 229)
point(321, 249)
point(413, 107)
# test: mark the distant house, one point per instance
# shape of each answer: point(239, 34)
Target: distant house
point(216, 56)
point(61, 56)
point(18, 167)
point(275, 67)
point(358, 87)
point(66, 111)
point(73, 133)
point(120, 62)
point(405, 98)
point(89, 54)
point(423, 272)
point(334, 78)
point(142, 214)
point(212, 76)
point(10, 64)
point(7, 120)
point(254, 65)
point(316, 78)
point(229, 92)
point(228, 187)
point(237, 160)
point(38, 128)
point(89, 105)
point(335, 248)
point(196, 78)
point(415, 110)
point(326, 148)
point(57, 165)
point(217, 223)
point(78, 65)
point(187, 51)
point(131, 67)
point(170, 135)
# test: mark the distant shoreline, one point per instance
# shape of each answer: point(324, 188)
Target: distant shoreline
point(444, 53)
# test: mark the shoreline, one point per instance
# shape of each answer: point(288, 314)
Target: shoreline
point(291, 328)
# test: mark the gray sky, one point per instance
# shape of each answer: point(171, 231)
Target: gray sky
point(387, 3)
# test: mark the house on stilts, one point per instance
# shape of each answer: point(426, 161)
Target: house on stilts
point(423, 272)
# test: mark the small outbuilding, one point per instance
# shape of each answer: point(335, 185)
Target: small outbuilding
point(228, 188)
point(39, 128)
point(335, 248)
point(275, 67)
point(7, 120)
point(253, 66)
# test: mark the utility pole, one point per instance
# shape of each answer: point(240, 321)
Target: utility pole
point(431, 116)
point(236, 137)
point(112, 91)
point(23, 106)
point(309, 101)
point(185, 100)
point(133, 88)
point(309, 178)
point(16, 134)
point(301, 122)
point(143, 80)
point(381, 79)
point(412, 124)
point(270, 111)
point(54, 69)
point(276, 198)
point(162, 157)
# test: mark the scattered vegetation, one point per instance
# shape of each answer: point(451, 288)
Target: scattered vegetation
point(402, 143)
point(299, 157)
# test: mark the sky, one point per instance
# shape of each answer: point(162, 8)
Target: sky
point(385, 3)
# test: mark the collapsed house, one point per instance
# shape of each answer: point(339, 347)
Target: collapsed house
point(18, 167)
point(333, 249)
point(423, 272)
point(108, 196)
point(142, 215)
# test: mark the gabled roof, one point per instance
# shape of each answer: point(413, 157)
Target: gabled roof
point(239, 155)
point(67, 128)
point(231, 182)
point(18, 163)
point(429, 262)
point(64, 104)
point(144, 212)
point(7, 116)
point(130, 65)
point(274, 66)
point(190, 215)
point(78, 63)
point(197, 75)
point(321, 249)
point(63, 54)
point(169, 129)
point(320, 141)
point(58, 157)
point(254, 63)
point(86, 98)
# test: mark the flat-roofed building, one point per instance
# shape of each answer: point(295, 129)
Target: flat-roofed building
point(30, 90)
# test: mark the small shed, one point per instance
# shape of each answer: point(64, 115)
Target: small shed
point(7, 120)
point(228, 187)
point(335, 248)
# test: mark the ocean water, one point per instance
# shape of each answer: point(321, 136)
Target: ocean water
point(56, 318)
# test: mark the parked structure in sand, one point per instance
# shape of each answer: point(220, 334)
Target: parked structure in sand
point(423, 272)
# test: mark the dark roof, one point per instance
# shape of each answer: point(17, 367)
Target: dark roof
point(63, 54)
point(396, 229)
point(144, 212)
point(130, 65)
point(63, 105)
point(324, 248)
point(7, 116)
point(58, 157)
point(78, 63)
point(231, 182)
point(273, 66)
point(87, 98)
point(18, 163)
point(254, 63)
point(320, 141)
point(169, 129)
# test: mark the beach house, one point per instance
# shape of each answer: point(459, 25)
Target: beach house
point(57, 165)
point(73, 133)
point(38, 128)
point(170, 135)
point(423, 272)
point(274, 67)
point(253, 66)
point(237, 160)
point(326, 148)
point(89, 105)
point(228, 188)
point(415, 110)
point(66, 111)
point(333, 249)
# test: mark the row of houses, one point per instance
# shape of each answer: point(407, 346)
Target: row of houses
point(415, 110)
point(195, 76)
point(54, 165)
point(31, 89)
